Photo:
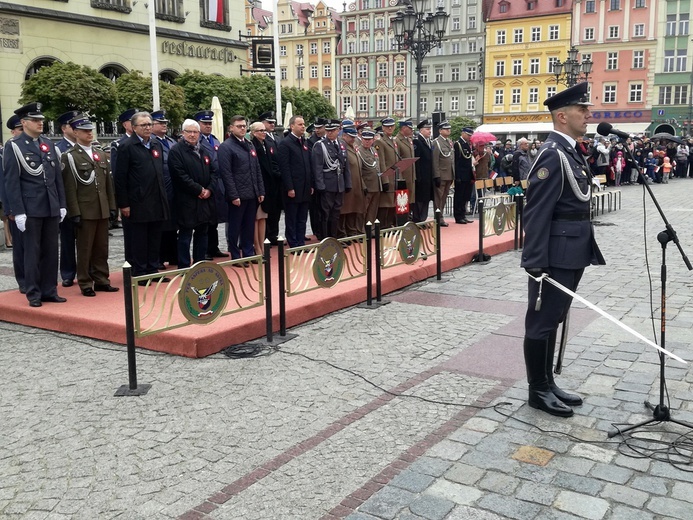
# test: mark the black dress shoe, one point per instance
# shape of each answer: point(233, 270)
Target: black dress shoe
point(565, 397)
point(219, 254)
point(35, 303)
point(461, 222)
point(54, 299)
point(160, 266)
point(88, 292)
point(443, 224)
point(209, 257)
point(106, 288)
point(549, 403)
point(68, 283)
point(22, 290)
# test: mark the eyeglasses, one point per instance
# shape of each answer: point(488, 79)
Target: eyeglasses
point(191, 131)
point(263, 131)
point(240, 126)
point(145, 125)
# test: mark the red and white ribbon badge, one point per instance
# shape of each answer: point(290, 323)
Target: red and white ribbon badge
point(96, 157)
point(156, 154)
point(206, 160)
point(44, 147)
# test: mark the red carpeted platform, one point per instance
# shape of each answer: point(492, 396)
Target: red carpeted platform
point(103, 317)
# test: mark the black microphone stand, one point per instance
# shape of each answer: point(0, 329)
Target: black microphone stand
point(660, 412)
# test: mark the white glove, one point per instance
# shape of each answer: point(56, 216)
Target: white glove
point(63, 212)
point(20, 220)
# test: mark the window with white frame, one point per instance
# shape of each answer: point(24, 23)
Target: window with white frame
point(550, 91)
point(471, 46)
point(536, 34)
point(399, 101)
point(681, 60)
point(517, 67)
point(534, 66)
point(518, 35)
point(609, 95)
point(379, 45)
point(454, 73)
point(455, 23)
point(589, 33)
point(683, 23)
point(455, 48)
point(500, 37)
point(500, 68)
point(438, 104)
point(326, 47)
point(282, 50)
point(638, 30)
point(550, 63)
point(471, 102)
point(590, 6)
point(635, 93)
point(454, 103)
point(440, 50)
point(363, 103)
point(613, 31)
point(313, 71)
point(615, 5)
point(533, 95)
point(612, 60)
point(327, 94)
point(423, 105)
point(364, 24)
point(327, 71)
point(439, 74)
point(399, 68)
point(665, 95)
point(515, 96)
point(365, 46)
point(681, 95)
point(498, 96)
point(363, 70)
point(638, 59)
point(346, 71)
point(554, 32)
point(351, 47)
point(346, 103)
point(669, 60)
point(379, 23)
point(424, 75)
point(471, 22)
point(283, 73)
point(299, 50)
point(299, 72)
point(313, 48)
point(639, 4)
point(671, 25)
point(471, 72)
point(382, 69)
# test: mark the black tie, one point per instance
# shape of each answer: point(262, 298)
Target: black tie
point(336, 146)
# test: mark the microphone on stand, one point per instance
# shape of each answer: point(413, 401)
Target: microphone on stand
point(606, 129)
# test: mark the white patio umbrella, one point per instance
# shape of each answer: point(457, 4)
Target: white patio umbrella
point(288, 113)
point(349, 113)
point(217, 119)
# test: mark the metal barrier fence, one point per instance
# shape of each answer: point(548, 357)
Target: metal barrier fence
point(496, 220)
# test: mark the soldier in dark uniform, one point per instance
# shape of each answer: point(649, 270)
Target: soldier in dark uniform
point(15, 126)
point(169, 239)
point(464, 176)
point(35, 193)
point(559, 241)
point(270, 121)
point(443, 168)
point(314, 210)
point(68, 258)
point(424, 172)
point(211, 144)
point(386, 148)
point(90, 202)
point(332, 178)
point(141, 195)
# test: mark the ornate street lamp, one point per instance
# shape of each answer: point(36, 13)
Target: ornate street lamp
point(571, 71)
point(419, 31)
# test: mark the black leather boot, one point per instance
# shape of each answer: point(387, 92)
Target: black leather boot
point(569, 399)
point(540, 395)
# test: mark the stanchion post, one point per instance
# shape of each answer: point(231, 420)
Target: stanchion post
point(378, 286)
point(439, 267)
point(480, 207)
point(369, 264)
point(132, 388)
point(282, 286)
point(268, 289)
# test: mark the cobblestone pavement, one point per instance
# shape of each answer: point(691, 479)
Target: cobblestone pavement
point(383, 413)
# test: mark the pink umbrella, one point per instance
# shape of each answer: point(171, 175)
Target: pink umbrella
point(482, 138)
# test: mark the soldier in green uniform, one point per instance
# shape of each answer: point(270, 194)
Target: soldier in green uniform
point(386, 148)
point(443, 168)
point(90, 203)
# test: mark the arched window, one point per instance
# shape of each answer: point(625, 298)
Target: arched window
point(113, 71)
point(168, 76)
point(39, 63)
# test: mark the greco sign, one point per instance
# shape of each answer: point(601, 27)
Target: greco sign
point(409, 245)
point(329, 262)
point(204, 293)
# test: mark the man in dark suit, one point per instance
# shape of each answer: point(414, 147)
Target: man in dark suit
point(297, 181)
point(124, 121)
point(464, 176)
point(332, 177)
point(68, 258)
point(559, 242)
point(424, 172)
point(169, 240)
point(36, 196)
point(141, 195)
point(14, 124)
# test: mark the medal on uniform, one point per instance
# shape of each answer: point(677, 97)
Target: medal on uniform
point(96, 157)
point(156, 154)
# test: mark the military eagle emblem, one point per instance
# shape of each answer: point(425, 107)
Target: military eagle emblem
point(328, 267)
point(204, 297)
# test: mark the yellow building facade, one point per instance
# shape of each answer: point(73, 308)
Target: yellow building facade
point(112, 36)
point(517, 69)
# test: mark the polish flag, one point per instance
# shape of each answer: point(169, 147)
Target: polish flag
point(216, 11)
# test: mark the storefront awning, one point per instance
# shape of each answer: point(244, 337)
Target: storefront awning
point(519, 129)
point(629, 128)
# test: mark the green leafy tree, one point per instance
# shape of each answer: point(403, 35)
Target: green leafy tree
point(135, 91)
point(308, 103)
point(200, 88)
point(458, 123)
point(67, 86)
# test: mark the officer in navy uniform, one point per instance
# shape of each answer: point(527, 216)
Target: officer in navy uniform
point(68, 258)
point(314, 211)
point(424, 172)
point(90, 202)
point(270, 121)
point(169, 238)
point(210, 142)
point(464, 176)
point(332, 177)
point(14, 124)
point(34, 189)
point(559, 241)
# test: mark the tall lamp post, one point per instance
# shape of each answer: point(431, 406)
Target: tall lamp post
point(418, 31)
point(571, 71)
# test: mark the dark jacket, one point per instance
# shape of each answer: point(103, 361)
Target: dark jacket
point(295, 168)
point(191, 173)
point(271, 177)
point(240, 170)
point(424, 170)
point(464, 171)
point(139, 180)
